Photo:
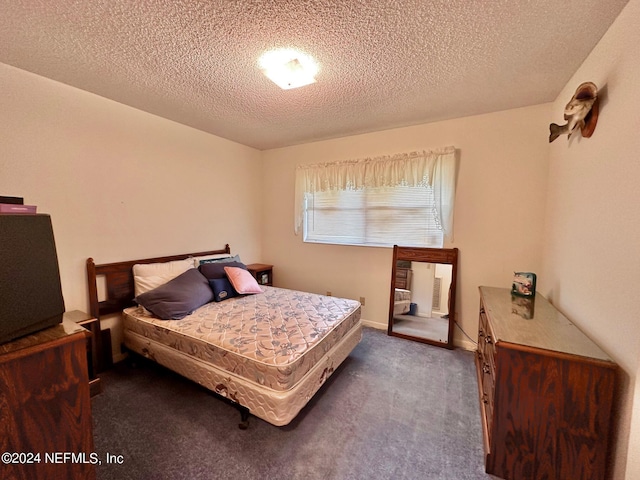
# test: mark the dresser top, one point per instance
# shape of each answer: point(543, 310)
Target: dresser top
point(534, 322)
point(58, 333)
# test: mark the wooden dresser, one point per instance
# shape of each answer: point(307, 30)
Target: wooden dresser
point(403, 277)
point(546, 391)
point(45, 410)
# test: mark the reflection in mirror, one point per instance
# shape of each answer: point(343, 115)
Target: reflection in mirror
point(422, 302)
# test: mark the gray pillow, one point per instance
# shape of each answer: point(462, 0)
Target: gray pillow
point(216, 270)
point(178, 297)
point(235, 258)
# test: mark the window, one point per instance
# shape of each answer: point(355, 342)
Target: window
point(405, 200)
point(382, 216)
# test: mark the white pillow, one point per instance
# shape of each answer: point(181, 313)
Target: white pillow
point(147, 276)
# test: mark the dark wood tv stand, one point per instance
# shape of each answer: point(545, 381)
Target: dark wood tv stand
point(44, 393)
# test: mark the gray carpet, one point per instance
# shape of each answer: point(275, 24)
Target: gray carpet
point(395, 409)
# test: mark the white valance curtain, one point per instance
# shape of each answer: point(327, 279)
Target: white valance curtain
point(435, 168)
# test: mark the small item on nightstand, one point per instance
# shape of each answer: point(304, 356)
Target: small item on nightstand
point(524, 284)
point(262, 272)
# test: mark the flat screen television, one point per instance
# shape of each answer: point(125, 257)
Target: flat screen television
point(30, 290)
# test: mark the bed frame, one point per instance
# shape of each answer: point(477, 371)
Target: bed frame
point(120, 289)
point(120, 295)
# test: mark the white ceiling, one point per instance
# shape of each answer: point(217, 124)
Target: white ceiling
point(383, 63)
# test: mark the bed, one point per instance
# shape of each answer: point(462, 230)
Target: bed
point(268, 353)
point(401, 301)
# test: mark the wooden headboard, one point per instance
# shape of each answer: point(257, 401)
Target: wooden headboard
point(119, 281)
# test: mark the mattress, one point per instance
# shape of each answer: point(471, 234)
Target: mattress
point(273, 339)
point(402, 301)
point(402, 295)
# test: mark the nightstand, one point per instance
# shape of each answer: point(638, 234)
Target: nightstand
point(262, 272)
point(93, 325)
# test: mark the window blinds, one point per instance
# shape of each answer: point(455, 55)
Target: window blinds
point(408, 195)
point(381, 216)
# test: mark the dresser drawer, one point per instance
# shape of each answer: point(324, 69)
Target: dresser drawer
point(485, 339)
point(403, 278)
point(488, 393)
point(486, 369)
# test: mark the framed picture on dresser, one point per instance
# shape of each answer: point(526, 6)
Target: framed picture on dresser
point(524, 284)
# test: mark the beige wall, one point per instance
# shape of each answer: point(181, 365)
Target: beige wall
point(499, 213)
point(633, 457)
point(592, 241)
point(120, 183)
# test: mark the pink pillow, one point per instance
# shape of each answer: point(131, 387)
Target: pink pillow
point(242, 280)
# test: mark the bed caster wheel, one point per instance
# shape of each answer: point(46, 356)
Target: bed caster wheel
point(131, 361)
point(244, 419)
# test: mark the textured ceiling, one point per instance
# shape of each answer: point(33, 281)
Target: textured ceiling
point(383, 63)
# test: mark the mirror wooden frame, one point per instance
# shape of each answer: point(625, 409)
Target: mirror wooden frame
point(447, 256)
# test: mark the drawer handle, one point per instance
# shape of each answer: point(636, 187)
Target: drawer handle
point(485, 368)
point(485, 400)
point(488, 339)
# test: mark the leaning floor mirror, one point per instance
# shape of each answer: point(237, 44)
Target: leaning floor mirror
point(423, 294)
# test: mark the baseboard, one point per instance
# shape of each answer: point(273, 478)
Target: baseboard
point(119, 357)
point(463, 343)
point(377, 325)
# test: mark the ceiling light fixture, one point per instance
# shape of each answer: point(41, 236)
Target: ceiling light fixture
point(288, 68)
